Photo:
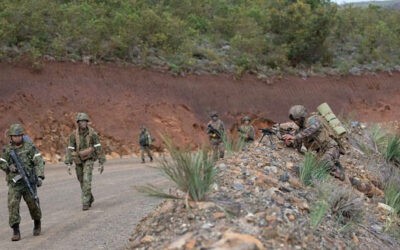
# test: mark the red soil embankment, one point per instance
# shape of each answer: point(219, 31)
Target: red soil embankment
point(120, 98)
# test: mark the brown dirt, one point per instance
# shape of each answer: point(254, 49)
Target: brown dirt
point(121, 98)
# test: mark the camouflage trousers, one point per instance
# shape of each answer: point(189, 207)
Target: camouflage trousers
point(146, 149)
point(331, 156)
point(84, 174)
point(218, 148)
point(14, 199)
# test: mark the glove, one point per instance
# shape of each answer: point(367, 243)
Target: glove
point(12, 168)
point(69, 169)
point(101, 168)
point(39, 181)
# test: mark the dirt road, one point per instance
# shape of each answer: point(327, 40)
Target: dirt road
point(109, 223)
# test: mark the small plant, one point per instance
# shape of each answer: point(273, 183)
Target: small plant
point(392, 152)
point(345, 206)
point(233, 145)
point(318, 212)
point(378, 137)
point(392, 196)
point(312, 169)
point(192, 172)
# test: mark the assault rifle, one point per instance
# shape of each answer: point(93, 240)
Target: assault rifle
point(275, 130)
point(211, 129)
point(22, 175)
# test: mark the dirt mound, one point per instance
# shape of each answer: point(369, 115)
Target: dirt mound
point(120, 98)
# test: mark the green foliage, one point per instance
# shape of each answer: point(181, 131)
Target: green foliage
point(392, 153)
point(318, 212)
point(232, 144)
point(312, 169)
point(392, 196)
point(338, 201)
point(192, 172)
point(241, 35)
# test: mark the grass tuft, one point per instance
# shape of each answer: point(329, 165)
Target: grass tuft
point(312, 169)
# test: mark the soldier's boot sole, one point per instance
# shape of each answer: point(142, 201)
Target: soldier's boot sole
point(37, 229)
point(85, 207)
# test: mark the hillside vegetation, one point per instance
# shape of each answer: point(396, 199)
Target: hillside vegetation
point(237, 36)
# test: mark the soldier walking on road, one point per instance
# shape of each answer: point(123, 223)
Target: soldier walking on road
point(84, 149)
point(145, 143)
point(216, 131)
point(22, 156)
point(315, 138)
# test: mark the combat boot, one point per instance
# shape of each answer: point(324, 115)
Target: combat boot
point(151, 159)
point(85, 207)
point(37, 228)
point(143, 161)
point(16, 234)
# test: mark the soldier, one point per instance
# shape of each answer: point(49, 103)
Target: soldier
point(215, 131)
point(246, 130)
point(316, 138)
point(145, 143)
point(84, 149)
point(32, 163)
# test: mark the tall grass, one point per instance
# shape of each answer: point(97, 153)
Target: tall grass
point(233, 145)
point(392, 196)
point(192, 172)
point(312, 169)
point(392, 152)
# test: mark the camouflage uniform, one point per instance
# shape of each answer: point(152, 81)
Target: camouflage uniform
point(146, 144)
point(79, 141)
point(316, 138)
point(216, 140)
point(246, 131)
point(33, 164)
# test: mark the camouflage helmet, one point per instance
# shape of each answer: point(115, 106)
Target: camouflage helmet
point(16, 129)
point(297, 111)
point(246, 118)
point(82, 117)
point(213, 113)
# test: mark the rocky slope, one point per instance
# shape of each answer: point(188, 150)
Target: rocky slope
point(258, 202)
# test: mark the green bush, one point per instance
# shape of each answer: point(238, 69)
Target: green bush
point(312, 169)
point(192, 172)
point(260, 34)
point(392, 153)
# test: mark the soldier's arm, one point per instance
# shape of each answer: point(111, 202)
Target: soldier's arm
point(251, 132)
point(309, 130)
point(38, 162)
point(98, 149)
point(5, 161)
point(149, 138)
point(222, 127)
point(70, 148)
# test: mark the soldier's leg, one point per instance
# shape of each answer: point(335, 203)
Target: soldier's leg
point(148, 151)
point(14, 199)
point(79, 174)
point(221, 149)
point(214, 148)
point(331, 158)
point(87, 183)
point(142, 154)
point(34, 210)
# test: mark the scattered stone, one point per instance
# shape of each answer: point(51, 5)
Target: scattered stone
point(180, 242)
point(236, 241)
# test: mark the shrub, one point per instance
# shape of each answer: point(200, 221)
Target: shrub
point(392, 152)
point(312, 169)
point(192, 172)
